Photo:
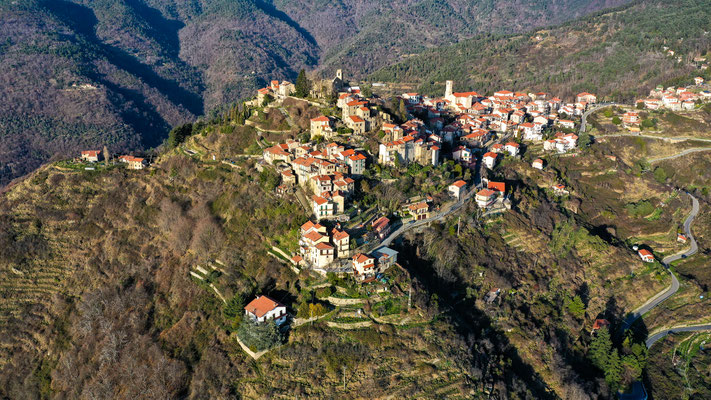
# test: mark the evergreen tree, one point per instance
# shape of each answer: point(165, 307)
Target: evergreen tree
point(576, 307)
point(178, 134)
point(613, 370)
point(600, 348)
point(302, 85)
point(402, 111)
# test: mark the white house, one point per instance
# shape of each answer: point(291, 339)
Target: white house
point(485, 198)
point(457, 188)
point(490, 160)
point(538, 164)
point(512, 148)
point(364, 267)
point(646, 255)
point(264, 308)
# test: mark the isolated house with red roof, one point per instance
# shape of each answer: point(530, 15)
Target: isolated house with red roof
point(646, 255)
point(91, 155)
point(321, 126)
point(264, 308)
point(381, 227)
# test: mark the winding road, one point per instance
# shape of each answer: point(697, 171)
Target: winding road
point(683, 153)
point(659, 335)
point(438, 217)
point(674, 287)
point(584, 118)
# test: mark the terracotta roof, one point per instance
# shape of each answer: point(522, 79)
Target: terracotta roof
point(380, 222)
point(497, 186)
point(418, 206)
point(357, 157)
point(490, 155)
point(645, 253)
point(340, 235)
point(599, 323)
point(356, 119)
point(460, 184)
point(486, 193)
point(313, 236)
point(319, 200)
point(361, 258)
point(324, 246)
point(261, 306)
point(322, 118)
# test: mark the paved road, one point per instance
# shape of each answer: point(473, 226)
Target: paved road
point(683, 153)
point(674, 287)
point(584, 119)
point(437, 217)
point(659, 335)
point(288, 117)
point(666, 138)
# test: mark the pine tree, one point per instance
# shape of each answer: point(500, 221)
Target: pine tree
point(576, 307)
point(402, 111)
point(600, 348)
point(302, 85)
point(613, 370)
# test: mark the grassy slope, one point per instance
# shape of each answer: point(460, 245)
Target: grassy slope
point(615, 54)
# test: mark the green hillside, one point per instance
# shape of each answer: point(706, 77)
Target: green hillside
point(618, 54)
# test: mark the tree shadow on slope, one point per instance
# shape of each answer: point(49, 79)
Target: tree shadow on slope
point(468, 320)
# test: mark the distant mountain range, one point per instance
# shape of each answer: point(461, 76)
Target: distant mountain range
point(87, 73)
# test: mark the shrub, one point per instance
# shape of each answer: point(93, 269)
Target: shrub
point(260, 336)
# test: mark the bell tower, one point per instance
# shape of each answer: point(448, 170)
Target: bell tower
point(448, 90)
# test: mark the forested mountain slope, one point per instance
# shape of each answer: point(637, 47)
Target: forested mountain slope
point(85, 73)
point(620, 54)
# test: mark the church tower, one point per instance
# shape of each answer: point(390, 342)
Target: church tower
point(448, 90)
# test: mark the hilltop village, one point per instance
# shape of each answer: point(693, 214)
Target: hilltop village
point(454, 141)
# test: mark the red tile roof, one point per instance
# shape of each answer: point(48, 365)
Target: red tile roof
point(261, 306)
point(497, 186)
point(460, 184)
point(486, 193)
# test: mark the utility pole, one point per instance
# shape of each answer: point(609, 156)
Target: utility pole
point(344, 377)
point(459, 224)
point(409, 297)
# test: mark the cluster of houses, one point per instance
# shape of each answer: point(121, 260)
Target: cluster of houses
point(131, 162)
point(675, 99)
point(358, 114)
point(367, 267)
point(327, 172)
point(476, 120)
point(318, 248)
point(275, 90)
point(492, 196)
